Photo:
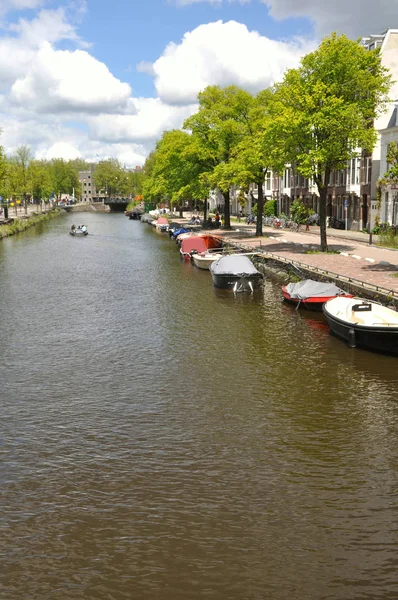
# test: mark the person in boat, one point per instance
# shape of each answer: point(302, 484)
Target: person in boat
point(84, 228)
point(73, 227)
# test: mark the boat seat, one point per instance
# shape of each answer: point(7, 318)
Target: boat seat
point(355, 319)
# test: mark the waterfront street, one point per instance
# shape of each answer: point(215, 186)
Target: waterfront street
point(370, 264)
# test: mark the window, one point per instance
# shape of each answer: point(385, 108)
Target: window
point(386, 208)
point(368, 169)
point(268, 177)
point(353, 170)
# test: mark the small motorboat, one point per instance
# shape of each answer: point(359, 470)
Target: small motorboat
point(177, 232)
point(203, 260)
point(235, 272)
point(363, 323)
point(196, 244)
point(79, 230)
point(311, 294)
point(162, 224)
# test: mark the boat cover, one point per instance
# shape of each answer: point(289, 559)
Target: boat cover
point(193, 242)
point(178, 231)
point(162, 221)
point(233, 264)
point(312, 289)
point(147, 218)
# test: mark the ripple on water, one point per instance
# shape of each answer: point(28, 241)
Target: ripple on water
point(161, 438)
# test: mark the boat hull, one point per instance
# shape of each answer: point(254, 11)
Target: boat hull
point(374, 338)
point(312, 303)
point(204, 262)
point(79, 233)
point(229, 281)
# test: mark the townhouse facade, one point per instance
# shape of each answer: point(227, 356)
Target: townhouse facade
point(388, 204)
point(352, 191)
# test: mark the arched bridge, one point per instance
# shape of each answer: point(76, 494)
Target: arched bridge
point(115, 203)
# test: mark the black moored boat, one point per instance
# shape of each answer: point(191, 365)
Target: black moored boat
point(363, 323)
point(235, 272)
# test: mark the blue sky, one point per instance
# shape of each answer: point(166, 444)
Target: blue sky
point(99, 79)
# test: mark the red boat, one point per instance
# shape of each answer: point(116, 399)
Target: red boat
point(198, 243)
point(311, 294)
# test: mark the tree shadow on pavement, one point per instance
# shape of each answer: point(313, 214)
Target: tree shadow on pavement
point(381, 268)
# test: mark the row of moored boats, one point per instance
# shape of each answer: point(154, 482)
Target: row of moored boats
point(358, 321)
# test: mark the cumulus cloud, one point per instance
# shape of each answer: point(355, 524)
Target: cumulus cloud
point(69, 81)
point(8, 5)
point(151, 119)
point(355, 18)
point(62, 150)
point(25, 40)
point(223, 54)
point(49, 25)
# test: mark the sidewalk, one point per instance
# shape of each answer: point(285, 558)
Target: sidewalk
point(356, 259)
point(31, 208)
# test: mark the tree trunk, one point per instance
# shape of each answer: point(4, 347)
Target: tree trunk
point(260, 209)
point(205, 210)
point(227, 216)
point(322, 216)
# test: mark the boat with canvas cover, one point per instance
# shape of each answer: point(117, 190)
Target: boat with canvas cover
point(196, 244)
point(363, 323)
point(235, 272)
point(311, 294)
point(162, 224)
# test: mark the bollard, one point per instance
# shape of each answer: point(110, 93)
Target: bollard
point(370, 238)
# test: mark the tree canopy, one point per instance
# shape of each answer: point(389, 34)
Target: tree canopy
point(323, 111)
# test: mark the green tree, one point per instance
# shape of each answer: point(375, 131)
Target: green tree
point(217, 128)
point(111, 178)
point(391, 176)
point(39, 180)
point(174, 169)
point(64, 179)
point(324, 110)
point(255, 155)
point(21, 161)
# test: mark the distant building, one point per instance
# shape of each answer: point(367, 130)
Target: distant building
point(87, 185)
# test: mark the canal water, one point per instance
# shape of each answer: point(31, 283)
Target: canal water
point(162, 439)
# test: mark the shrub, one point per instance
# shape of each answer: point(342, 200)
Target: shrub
point(300, 211)
point(270, 208)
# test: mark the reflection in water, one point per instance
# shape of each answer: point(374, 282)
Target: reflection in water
point(162, 438)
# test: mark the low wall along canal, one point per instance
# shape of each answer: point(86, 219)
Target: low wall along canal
point(162, 438)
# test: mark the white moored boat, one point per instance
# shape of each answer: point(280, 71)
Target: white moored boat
point(205, 259)
point(363, 323)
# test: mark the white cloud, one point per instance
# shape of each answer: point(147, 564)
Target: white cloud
point(49, 25)
point(8, 5)
point(69, 81)
point(355, 18)
point(151, 119)
point(26, 38)
point(62, 150)
point(223, 54)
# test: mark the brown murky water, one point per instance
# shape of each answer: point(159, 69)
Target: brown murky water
point(162, 439)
